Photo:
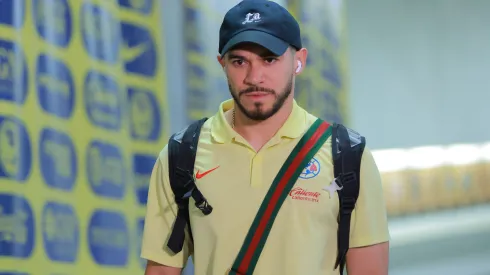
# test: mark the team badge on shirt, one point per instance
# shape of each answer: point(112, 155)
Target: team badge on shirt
point(311, 170)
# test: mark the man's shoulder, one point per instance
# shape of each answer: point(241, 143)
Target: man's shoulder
point(179, 134)
point(355, 136)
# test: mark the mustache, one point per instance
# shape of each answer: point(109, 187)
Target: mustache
point(255, 89)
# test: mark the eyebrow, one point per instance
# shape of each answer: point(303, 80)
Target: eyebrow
point(235, 56)
point(262, 54)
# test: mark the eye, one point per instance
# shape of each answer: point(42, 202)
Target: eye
point(238, 62)
point(270, 60)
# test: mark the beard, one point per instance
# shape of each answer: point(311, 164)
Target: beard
point(259, 113)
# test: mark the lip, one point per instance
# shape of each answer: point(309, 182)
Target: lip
point(257, 94)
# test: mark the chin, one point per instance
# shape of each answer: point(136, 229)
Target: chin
point(262, 109)
point(261, 115)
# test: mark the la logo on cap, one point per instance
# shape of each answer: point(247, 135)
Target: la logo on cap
point(251, 17)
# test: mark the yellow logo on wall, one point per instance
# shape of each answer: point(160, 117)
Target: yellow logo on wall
point(82, 120)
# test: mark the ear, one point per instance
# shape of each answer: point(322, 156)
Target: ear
point(221, 60)
point(300, 58)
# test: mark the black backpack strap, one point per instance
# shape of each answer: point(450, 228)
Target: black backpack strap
point(347, 149)
point(182, 148)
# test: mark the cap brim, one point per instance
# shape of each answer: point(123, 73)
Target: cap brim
point(268, 41)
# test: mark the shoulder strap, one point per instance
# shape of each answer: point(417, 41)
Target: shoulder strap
point(347, 149)
point(257, 235)
point(182, 148)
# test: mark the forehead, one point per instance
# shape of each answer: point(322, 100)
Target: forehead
point(251, 49)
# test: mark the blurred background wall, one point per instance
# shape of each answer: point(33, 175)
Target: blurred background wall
point(90, 91)
point(419, 71)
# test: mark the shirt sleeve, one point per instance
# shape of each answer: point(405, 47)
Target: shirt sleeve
point(369, 222)
point(161, 211)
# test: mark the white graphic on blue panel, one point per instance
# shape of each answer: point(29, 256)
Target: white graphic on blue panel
point(13, 73)
point(108, 237)
point(53, 20)
point(145, 114)
point(55, 86)
point(15, 149)
point(61, 233)
point(100, 33)
point(58, 160)
point(17, 227)
point(106, 170)
point(103, 102)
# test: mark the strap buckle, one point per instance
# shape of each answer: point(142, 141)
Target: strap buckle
point(192, 191)
point(346, 178)
point(204, 206)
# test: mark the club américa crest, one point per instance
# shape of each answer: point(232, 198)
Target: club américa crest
point(311, 170)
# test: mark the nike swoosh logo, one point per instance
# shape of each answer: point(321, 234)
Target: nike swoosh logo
point(131, 53)
point(200, 175)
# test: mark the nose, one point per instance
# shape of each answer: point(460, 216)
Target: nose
point(255, 75)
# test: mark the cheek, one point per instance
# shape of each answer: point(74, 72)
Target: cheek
point(279, 78)
point(280, 72)
point(234, 78)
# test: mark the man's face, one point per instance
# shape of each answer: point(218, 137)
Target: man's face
point(259, 81)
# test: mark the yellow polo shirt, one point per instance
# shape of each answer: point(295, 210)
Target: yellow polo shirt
point(235, 179)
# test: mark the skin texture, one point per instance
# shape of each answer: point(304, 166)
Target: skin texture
point(371, 259)
point(153, 268)
point(262, 86)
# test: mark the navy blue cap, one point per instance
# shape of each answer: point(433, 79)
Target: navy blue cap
point(262, 22)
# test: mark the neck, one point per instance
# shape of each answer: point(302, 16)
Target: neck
point(258, 133)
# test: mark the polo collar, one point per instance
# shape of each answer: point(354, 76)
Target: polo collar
point(222, 132)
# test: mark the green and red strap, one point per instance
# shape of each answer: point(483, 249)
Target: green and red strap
point(284, 181)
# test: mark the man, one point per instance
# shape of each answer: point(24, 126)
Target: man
point(241, 150)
